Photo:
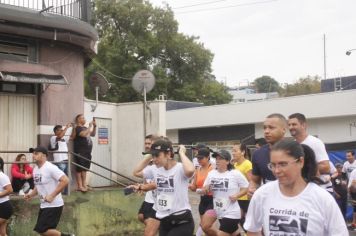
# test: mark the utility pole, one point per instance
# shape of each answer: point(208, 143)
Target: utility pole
point(324, 58)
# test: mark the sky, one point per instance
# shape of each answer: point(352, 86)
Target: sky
point(279, 38)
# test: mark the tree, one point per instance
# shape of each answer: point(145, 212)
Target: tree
point(134, 35)
point(305, 85)
point(266, 84)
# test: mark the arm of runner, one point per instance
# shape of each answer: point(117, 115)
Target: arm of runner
point(7, 190)
point(193, 185)
point(254, 234)
point(31, 195)
point(324, 167)
point(138, 170)
point(143, 187)
point(187, 164)
point(254, 184)
point(242, 192)
point(63, 182)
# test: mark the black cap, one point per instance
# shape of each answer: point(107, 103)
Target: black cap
point(203, 152)
point(223, 154)
point(199, 146)
point(160, 146)
point(39, 149)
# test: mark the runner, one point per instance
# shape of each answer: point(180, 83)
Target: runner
point(241, 163)
point(206, 205)
point(227, 186)
point(49, 183)
point(294, 204)
point(146, 213)
point(171, 180)
point(5, 205)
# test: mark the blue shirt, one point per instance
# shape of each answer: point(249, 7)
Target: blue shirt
point(260, 159)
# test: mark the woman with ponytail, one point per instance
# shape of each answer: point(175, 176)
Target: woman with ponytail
point(227, 185)
point(294, 204)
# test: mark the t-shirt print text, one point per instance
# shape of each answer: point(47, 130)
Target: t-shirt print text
point(220, 184)
point(37, 178)
point(287, 222)
point(165, 183)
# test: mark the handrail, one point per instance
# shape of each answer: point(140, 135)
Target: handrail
point(115, 181)
point(105, 168)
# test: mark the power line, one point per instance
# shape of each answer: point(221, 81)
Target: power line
point(224, 7)
point(199, 4)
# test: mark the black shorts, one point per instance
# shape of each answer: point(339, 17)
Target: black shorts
point(147, 210)
point(228, 225)
point(6, 210)
point(206, 203)
point(244, 204)
point(48, 218)
point(85, 162)
point(177, 224)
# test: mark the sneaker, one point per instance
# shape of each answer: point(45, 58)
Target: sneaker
point(21, 193)
point(26, 187)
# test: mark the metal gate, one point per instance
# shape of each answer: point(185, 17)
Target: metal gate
point(101, 153)
point(18, 122)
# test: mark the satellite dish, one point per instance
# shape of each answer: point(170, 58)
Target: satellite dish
point(100, 85)
point(143, 81)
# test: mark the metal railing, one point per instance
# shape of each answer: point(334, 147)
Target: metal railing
point(78, 9)
point(70, 160)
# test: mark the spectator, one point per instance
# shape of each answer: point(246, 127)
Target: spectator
point(260, 142)
point(21, 172)
point(350, 164)
point(83, 146)
point(339, 181)
point(58, 142)
point(294, 204)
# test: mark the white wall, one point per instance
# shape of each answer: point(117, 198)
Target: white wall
point(127, 129)
point(324, 105)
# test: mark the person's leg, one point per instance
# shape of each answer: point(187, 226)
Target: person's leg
point(207, 223)
point(84, 180)
point(51, 232)
point(152, 226)
point(3, 224)
point(17, 184)
point(79, 180)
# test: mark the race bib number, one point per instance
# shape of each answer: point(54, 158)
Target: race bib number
point(164, 202)
point(220, 204)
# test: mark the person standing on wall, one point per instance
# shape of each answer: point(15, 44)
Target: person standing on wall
point(59, 142)
point(49, 183)
point(297, 124)
point(83, 146)
point(274, 129)
point(6, 209)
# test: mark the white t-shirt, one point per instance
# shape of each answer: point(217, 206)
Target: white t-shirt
point(313, 212)
point(150, 195)
point(224, 185)
point(320, 155)
point(352, 178)
point(46, 180)
point(172, 189)
point(4, 181)
point(348, 168)
point(62, 147)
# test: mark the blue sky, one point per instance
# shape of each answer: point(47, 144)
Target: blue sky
point(280, 38)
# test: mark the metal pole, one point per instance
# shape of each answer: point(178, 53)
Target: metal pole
point(144, 111)
point(324, 57)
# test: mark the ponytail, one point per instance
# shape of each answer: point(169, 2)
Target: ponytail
point(310, 168)
point(296, 150)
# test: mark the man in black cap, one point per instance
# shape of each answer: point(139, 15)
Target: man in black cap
point(49, 183)
point(339, 181)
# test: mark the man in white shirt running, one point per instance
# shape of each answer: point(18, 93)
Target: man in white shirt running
point(297, 125)
point(350, 164)
point(49, 183)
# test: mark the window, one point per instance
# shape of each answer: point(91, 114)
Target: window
point(18, 49)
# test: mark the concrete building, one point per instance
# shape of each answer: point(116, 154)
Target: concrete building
point(246, 94)
point(43, 53)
